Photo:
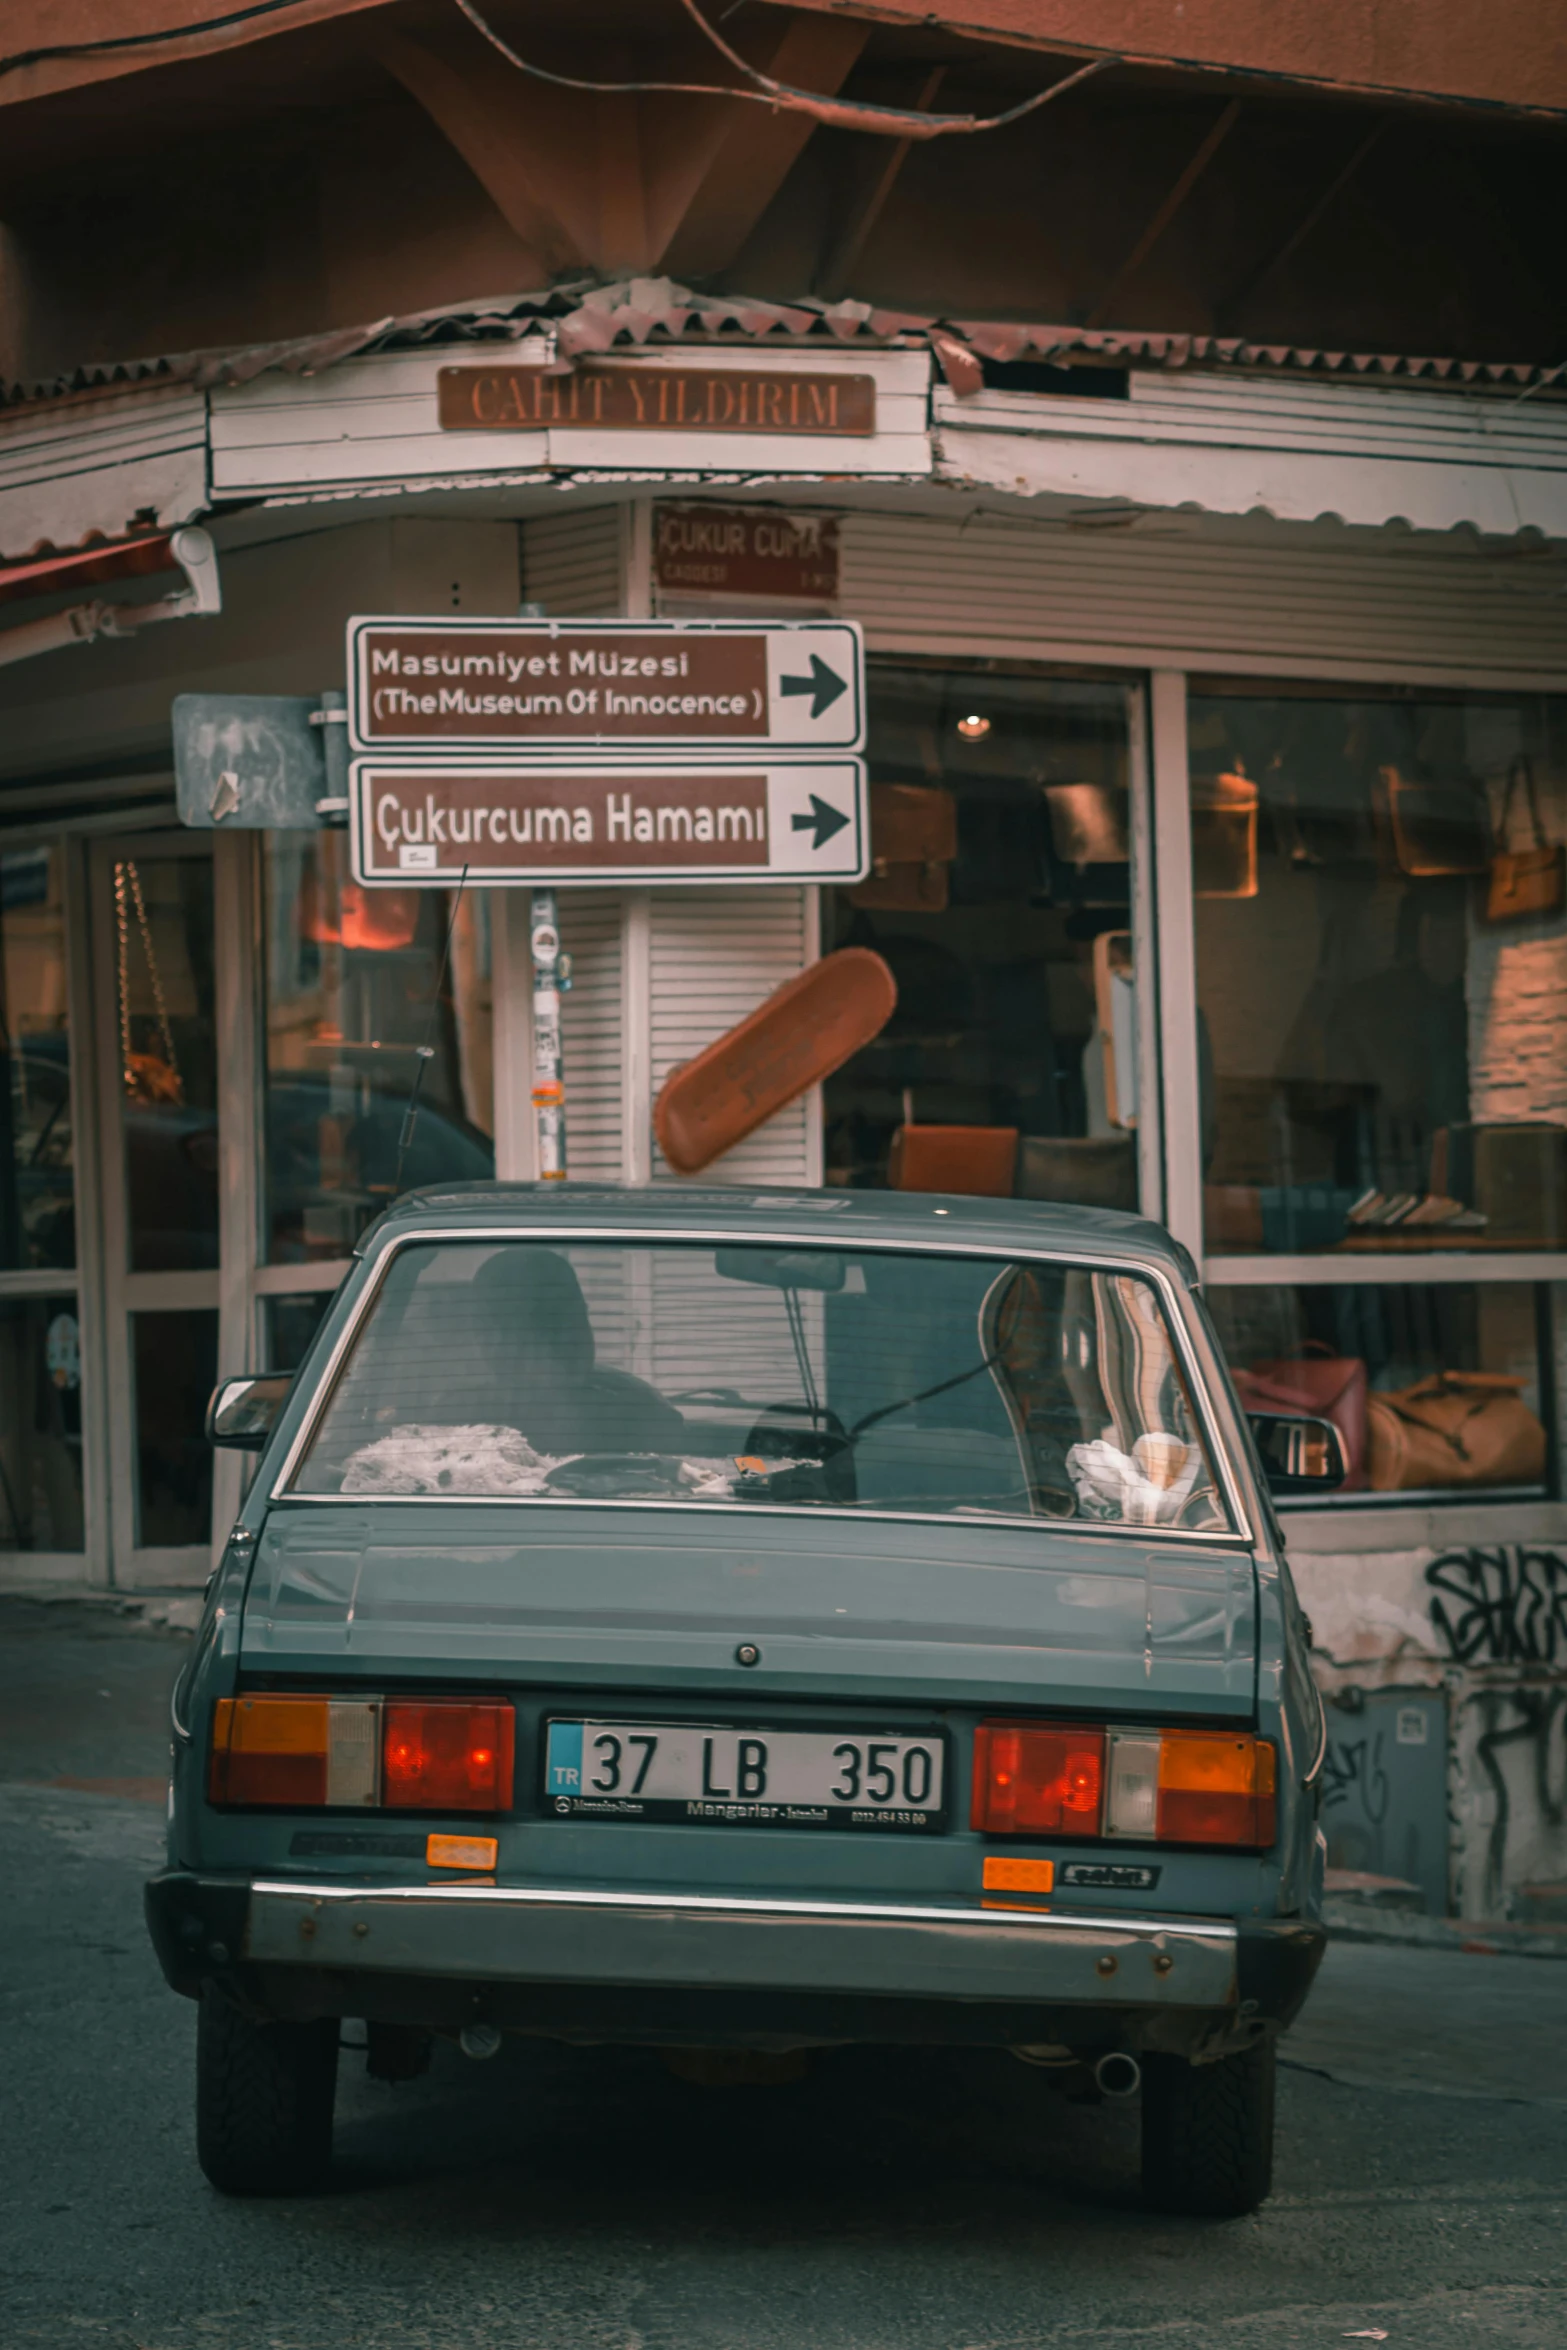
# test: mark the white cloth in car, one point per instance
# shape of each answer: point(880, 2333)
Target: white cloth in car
point(1112, 1484)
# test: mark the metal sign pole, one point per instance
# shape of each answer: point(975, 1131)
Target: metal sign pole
point(550, 978)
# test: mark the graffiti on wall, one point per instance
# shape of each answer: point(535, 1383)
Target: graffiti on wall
point(1506, 1606)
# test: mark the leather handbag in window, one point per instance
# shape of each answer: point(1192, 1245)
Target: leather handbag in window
point(914, 839)
point(1529, 882)
point(1455, 1428)
point(980, 1161)
point(1224, 836)
point(1433, 825)
point(1320, 1384)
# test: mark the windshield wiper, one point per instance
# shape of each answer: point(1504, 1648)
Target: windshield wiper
point(907, 1402)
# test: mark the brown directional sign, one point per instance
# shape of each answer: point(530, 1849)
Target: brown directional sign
point(642, 687)
point(609, 398)
point(424, 822)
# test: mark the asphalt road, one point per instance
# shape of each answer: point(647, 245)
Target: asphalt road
point(587, 2200)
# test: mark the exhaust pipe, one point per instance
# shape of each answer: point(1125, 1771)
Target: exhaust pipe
point(1118, 2074)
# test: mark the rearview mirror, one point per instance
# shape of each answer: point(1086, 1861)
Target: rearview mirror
point(242, 1411)
point(1299, 1455)
point(782, 1268)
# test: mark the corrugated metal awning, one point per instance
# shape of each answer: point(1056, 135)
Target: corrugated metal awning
point(590, 318)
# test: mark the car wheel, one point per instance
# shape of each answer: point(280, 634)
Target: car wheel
point(1208, 2133)
point(263, 2100)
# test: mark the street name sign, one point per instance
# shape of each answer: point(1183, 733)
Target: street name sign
point(425, 821)
point(643, 689)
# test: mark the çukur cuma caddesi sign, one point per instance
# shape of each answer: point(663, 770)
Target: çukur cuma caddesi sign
point(428, 821)
point(701, 549)
point(645, 687)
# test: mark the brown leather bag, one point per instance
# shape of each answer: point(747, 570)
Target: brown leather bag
point(914, 839)
point(1224, 836)
point(979, 1161)
point(1525, 883)
point(1455, 1428)
point(1432, 825)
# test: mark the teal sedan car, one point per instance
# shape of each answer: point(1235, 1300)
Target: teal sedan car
point(747, 1623)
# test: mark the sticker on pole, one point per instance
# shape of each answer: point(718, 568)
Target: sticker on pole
point(424, 822)
point(647, 687)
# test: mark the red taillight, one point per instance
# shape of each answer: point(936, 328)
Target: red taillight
point(1037, 1779)
point(446, 1757)
point(346, 1753)
point(1169, 1787)
point(1216, 1789)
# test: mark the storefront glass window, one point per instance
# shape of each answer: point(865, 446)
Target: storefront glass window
point(351, 978)
point(1001, 896)
point(37, 1195)
point(1381, 935)
point(40, 1424)
point(167, 1047)
point(290, 1323)
point(1440, 1391)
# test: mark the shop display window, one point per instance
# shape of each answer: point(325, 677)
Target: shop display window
point(1001, 895)
point(351, 981)
point(1440, 1391)
point(40, 1424)
point(37, 1147)
point(166, 1046)
point(1380, 884)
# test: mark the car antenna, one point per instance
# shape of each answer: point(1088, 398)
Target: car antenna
point(426, 1051)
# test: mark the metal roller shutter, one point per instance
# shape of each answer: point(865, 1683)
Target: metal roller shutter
point(714, 955)
point(1174, 594)
point(592, 1022)
point(571, 562)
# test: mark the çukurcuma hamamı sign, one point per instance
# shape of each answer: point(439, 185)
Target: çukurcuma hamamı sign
point(638, 686)
point(427, 821)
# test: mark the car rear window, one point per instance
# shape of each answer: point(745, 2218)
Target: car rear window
point(766, 1375)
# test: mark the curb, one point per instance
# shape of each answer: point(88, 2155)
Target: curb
point(1348, 1921)
point(138, 1611)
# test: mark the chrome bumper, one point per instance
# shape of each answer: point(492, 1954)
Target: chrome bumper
point(538, 1934)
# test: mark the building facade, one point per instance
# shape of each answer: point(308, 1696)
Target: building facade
point(1218, 751)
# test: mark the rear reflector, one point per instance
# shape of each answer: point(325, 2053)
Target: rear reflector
point(303, 1753)
point(1215, 1789)
point(1003, 1874)
point(1147, 1786)
point(460, 1852)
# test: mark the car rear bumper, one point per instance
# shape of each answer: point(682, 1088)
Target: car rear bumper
point(290, 1944)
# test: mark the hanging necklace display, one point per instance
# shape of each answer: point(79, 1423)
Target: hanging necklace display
point(148, 1077)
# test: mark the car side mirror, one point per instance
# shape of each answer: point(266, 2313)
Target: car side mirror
point(1299, 1455)
point(242, 1411)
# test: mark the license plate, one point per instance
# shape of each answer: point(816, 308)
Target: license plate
point(714, 1775)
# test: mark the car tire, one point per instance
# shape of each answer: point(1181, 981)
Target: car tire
point(264, 2094)
point(1208, 2133)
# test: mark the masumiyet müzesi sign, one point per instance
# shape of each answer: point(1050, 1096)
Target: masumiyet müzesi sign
point(644, 688)
point(426, 821)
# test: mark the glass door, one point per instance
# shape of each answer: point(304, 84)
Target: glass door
point(45, 1490)
point(155, 994)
